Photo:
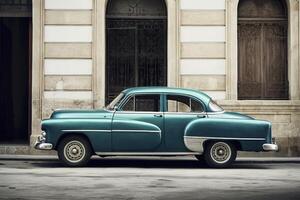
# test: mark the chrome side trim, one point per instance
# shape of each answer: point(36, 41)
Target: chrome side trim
point(225, 138)
point(146, 153)
point(109, 131)
point(145, 131)
point(82, 130)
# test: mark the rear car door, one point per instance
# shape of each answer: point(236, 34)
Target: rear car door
point(180, 111)
point(137, 125)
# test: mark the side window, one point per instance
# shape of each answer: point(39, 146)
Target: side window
point(177, 103)
point(146, 103)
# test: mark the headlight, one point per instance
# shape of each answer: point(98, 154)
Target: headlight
point(43, 134)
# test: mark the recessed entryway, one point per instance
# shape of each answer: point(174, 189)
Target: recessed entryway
point(15, 71)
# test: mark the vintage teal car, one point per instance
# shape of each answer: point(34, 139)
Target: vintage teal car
point(155, 121)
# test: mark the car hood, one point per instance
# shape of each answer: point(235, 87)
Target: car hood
point(81, 114)
point(230, 115)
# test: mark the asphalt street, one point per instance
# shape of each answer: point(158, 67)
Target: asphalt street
point(149, 178)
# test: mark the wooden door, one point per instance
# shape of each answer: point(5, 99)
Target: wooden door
point(262, 50)
point(136, 45)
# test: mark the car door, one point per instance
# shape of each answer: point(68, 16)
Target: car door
point(137, 125)
point(180, 110)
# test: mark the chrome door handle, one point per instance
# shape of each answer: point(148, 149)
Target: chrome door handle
point(201, 116)
point(158, 115)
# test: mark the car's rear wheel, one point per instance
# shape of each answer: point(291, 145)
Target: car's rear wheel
point(74, 151)
point(220, 154)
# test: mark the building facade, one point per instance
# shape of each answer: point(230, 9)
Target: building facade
point(81, 53)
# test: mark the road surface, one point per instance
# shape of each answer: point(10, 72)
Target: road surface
point(149, 178)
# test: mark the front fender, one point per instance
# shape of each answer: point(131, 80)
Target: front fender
point(96, 130)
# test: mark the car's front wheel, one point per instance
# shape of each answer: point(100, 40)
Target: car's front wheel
point(220, 154)
point(74, 151)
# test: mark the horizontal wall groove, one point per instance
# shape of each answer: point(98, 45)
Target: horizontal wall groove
point(202, 5)
point(66, 10)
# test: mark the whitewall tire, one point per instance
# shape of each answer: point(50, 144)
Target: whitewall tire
point(220, 154)
point(74, 151)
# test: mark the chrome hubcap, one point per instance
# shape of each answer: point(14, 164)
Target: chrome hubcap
point(74, 151)
point(220, 152)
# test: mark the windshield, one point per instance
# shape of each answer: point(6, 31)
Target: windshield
point(115, 102)
point(214, 107)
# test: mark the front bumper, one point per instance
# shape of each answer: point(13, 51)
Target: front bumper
point(40, 144)
point(270, 147)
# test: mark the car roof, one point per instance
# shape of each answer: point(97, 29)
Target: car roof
point(155, 89)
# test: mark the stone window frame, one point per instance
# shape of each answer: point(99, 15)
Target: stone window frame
point(99, 48)
point(232, 50)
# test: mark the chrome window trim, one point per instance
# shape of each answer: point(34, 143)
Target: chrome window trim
point(186, 95)
point(128, 96)
point(185, 113)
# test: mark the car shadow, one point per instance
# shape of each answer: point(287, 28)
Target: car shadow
point(149, 163)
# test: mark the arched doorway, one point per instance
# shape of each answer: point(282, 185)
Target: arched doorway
point(136, 45)
point(262, 49)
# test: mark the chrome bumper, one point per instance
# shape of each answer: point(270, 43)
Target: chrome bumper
point(40, 144)
point(270, 147)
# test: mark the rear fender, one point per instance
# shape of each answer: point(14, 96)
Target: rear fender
point(250, 134)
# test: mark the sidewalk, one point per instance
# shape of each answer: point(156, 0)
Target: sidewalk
point(240, 160)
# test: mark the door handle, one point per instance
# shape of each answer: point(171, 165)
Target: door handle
point(158, 115)
point(201, 116)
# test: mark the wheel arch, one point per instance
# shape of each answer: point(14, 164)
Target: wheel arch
point(79, 134)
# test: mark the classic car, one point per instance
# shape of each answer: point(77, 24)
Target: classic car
point(159, 121)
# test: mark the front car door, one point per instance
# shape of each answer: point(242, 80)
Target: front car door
point(180, 110)
point(137, 124)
